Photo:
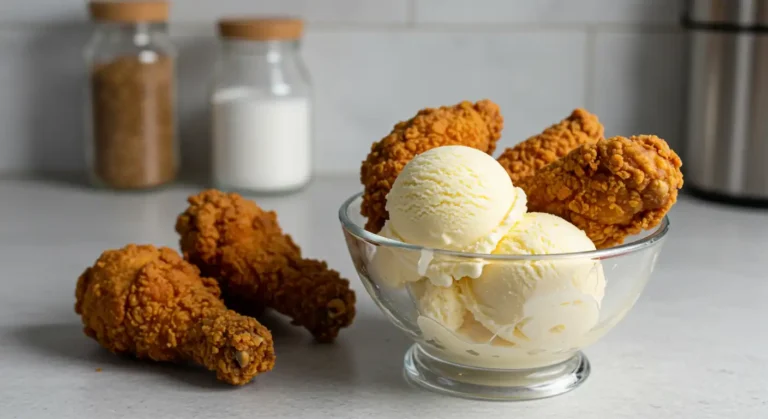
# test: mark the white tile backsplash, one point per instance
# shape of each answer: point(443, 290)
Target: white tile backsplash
point(366, 82)
point(373, 62)
point(41, 99)
point(197, 56)
point(639, 84)
point(333, 11)
point(548, 11)
point(42, 12)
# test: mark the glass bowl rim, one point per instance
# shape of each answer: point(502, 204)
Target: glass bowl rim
point(361, 233)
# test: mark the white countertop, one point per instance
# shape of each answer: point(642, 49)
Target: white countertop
point(695, 345)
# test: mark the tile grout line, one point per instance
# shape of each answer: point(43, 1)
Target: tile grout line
point(411, 16)
point(410, 25)
point(589, 68)
point(413, 26)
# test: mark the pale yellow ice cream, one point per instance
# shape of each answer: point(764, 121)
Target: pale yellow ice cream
point(393, 266)
point(451, 198)
point(540, 304)
point(505, 314)
point(441, 304)
point(472, 344)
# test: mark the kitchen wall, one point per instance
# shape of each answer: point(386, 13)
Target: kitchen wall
point(373, 62)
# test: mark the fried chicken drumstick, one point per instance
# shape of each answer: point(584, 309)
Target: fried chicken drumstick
point(233, 240)
point(476, 125)
point(150, 303)
point(610, 189)
point(524, 159)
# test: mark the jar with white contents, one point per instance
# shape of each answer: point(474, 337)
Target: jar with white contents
point(261, 106)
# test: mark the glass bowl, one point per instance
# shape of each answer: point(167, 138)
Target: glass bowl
point(461, 348)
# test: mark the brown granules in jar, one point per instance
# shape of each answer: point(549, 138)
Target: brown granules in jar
point(134, 122)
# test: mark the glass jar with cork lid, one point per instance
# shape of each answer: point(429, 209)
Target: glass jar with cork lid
point(261, 104)
point(131, 127)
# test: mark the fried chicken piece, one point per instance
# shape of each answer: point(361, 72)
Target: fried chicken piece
point(524, 159)
point(476, 125)
point(149, 302)
point(230, 238)
point(611, 189)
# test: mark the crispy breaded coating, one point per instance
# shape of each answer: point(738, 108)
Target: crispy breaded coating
point(257, 265)
point(611, 189)
point(524, 159)
point(476, 125)
point(150, 303)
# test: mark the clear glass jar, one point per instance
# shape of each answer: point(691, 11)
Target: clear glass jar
point(131, 106)
point(261, 108)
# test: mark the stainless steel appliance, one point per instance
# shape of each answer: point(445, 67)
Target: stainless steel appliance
point(726, 153)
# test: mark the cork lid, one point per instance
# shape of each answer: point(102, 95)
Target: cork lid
point(262, 29)
point(129, 11)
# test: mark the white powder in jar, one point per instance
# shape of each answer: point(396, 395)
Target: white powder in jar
point(260, 143)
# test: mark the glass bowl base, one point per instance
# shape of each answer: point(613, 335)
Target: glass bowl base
point(446, 377)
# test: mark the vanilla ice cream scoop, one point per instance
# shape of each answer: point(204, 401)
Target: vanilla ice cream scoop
point(453, 198)
point(538, 304)
point(441, 304)
point(449, 198)
point(392, 266)
point(472, 344)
